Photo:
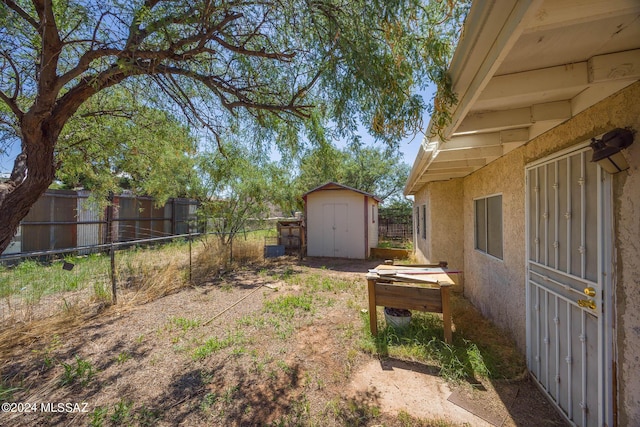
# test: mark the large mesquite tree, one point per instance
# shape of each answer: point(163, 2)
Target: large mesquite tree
point(271, 64)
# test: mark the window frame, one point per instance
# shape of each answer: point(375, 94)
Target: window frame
point(424, 221)
point(485, 225)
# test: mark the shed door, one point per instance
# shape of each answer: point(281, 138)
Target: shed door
point(566, 260)
point(335, 236)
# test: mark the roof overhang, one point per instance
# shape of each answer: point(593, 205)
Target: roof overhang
point(332, 186)
point(522, 68)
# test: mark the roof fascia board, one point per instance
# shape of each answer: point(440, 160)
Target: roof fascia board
point(536, 81)
point(503, 26)
point(469, 153)
point(490, 30)
point(615, 66)
point(598, 69)
point(422, 159)
point(557, 14)
point(491, 121)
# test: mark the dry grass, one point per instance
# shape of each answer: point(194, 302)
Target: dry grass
point(208, 261)
point(212, 258)
point(142, 276)
point(497, 347)
point(166, 365)
point(22, 335)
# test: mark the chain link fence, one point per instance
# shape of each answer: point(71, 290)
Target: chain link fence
point(41, 284)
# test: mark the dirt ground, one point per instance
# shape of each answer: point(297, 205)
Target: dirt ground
point(215, 355)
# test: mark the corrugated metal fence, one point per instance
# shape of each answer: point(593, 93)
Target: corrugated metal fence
point(66, 219)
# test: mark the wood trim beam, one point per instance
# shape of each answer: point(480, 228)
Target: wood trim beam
point(515, 118)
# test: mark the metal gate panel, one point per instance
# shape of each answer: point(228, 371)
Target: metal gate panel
point(564, 334)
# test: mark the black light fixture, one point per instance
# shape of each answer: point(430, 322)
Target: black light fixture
point(607, 151)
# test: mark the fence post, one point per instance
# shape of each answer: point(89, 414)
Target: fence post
point(108, 236)
point(173, 216)
point(189, 255)
point(114, 298)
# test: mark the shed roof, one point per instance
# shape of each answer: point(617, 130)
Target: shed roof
point(522, 67)
point(335, 186)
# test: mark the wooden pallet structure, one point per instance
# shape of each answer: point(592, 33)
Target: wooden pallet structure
point(411, 287)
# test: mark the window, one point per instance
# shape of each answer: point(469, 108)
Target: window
point(488, 225)
point(417, 221)
point(373, 213)
point(424, 221)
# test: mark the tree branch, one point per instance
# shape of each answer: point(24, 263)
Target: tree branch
point(11, 101)
point(22, 13)
point(280, 56)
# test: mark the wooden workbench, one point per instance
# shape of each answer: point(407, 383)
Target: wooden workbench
point(422, 288)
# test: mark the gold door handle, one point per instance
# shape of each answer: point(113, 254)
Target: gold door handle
point(587, 303)
point(590, 292)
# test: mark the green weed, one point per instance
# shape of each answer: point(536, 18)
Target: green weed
point(123, 356)
point(286, 306)
point(6, 392)
point(184, 323)
point(81, 372)
point(147, 417)
point(423, 340)
point(101, 292)
point(122, 412)
point(214, 344)
point(208, 401)
point(98, 416)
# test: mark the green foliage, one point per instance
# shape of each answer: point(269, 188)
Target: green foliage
point(235, 189)
point(6, 391)
point(423, 340)
point(377, 170)
point(184, 323)
point(32, 280)
point(122, 357)
point(215, 344)
point(81, 372)
point(122, 412)
point(282, 73)
point(98, 416)
point(132, 147)
point(286, 306)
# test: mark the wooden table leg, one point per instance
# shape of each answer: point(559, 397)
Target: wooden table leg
point(373, 316)
point(446, 314)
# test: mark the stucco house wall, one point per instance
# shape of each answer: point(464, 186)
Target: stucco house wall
point(444, 223)
point(497, 287)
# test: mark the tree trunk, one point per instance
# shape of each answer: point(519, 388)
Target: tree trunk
point(20, 192)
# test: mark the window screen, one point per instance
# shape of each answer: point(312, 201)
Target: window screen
point(424, 221)
point(488, 225)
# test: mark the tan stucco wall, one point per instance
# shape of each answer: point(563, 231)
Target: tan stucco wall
point(497, 287)
point(619, 110)
point(626, 109)
point(444, 223)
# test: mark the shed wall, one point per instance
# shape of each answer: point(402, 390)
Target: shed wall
point(349, 240)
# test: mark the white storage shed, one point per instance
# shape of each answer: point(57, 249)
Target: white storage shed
point(341, 221)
